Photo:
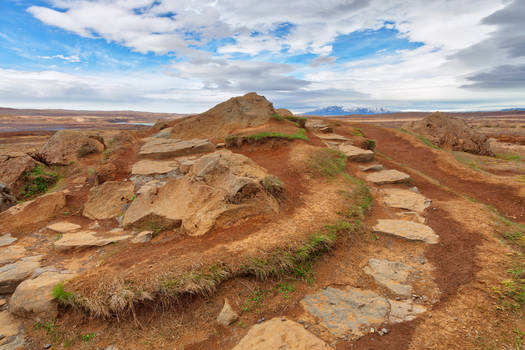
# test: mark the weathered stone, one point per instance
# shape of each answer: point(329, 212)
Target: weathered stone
point(163, 134)
point(86, 239)
point(390, 274)
point(6, 239)
point(33, 297)
point(384, 177)
point(6, 198)
point(407, 229)
point(106, 172)
point(283, 112)
point(13, 169)
point(150, 167)
point(371, 167)
point(405, 199)
point(227, 315)
point(356, 154)
point(11, 254)
point(346, 312)
point(31, 212)
point(63, 227)
point(332, 137)
point(106, 201)
point(13, 274)
point(169, 148)
point(9, 327)
point(66, 146)
point(143, 237)
point(406, 310)
point(221, 186)
point(277, 334)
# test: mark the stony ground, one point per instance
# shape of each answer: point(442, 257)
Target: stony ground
point(436, 262)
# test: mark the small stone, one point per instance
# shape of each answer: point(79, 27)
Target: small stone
point(398, 298)
point(384, 330)
point(143, 237)
point(372, 330)
point(227, 315)
point(112, 347)
point(283, 319)
point(47, 346)
point(261, 320)
point(305, 326)
point(414, 189)
point(429, 315)
point(301, 321)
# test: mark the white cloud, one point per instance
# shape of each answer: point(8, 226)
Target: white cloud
point(72, 59)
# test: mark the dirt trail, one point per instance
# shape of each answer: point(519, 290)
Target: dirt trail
point(504, 198)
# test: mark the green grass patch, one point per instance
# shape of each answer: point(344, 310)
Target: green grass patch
point(466, 160)
point(421, 138)
point(327, 162)
point(509, 157)
point(235, 140)
point(61, 295)
point(273, 185)
point(39, 180)
point(300, 122)
point(358, 132)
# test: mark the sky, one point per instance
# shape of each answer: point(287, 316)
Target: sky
point(185, 56)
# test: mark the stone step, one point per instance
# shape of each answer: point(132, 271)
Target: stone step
point(390, 274)
point(170, 148)
point(86, 239)
point(63, 227)
point(356, 154)
point(405, 199)
point(384, 177)
point(406, 229)
point(371, 167)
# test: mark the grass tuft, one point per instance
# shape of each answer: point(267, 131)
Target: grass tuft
point(328, 163)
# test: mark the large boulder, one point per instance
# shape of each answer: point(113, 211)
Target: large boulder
point(107, 200)
point(31, 212)
point(451, 133)
point(33, 298)
point(220, 189)
point(66, 146)
point(13, 170)
point(237, 113)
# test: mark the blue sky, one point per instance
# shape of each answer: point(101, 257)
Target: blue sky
point(174, 56)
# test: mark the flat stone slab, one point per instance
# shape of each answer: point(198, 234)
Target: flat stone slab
point(13, 274)
point(63, 227)
point(11, 254)
point(384, 177)
point(143, 237)
point(405, 199)
point(9, 327)
point(279, 334)
point(371, 167)
point(390, 274)
point(6, 239)
point(356, 154)
point(332, 137)
point(351, 312)
point(345, 312)
point(406, 229)
point(86, 239)
point(152, 167)
point(168, 148)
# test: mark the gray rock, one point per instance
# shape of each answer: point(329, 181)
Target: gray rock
point(407, 229)
point(371, 167)
point(13, 274)
point(384, 177)
point(143, 237)
point(6, 239)
point(390, 274)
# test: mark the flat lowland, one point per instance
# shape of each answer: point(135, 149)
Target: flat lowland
point(269, 231)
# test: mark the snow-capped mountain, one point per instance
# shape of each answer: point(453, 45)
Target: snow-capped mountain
point(339, 110)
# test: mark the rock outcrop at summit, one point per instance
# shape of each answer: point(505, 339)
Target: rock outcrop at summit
point(67, 146)
point(220, 189)
point(237, 113)
point(452, 133)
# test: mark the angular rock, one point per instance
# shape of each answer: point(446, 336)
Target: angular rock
point(66, 146)
point(372, 167)
point(222, 120)
point(143, 237)
point(227, 315)
point(106, 172)
point(356, 154)
point(332, 137)
point(384, 177)
point(7, 239)
point(11, 254)
point(86, 239)
point(9, 327)
point(163, 134)
point(221, 188)
point(33, 298)
point(31, 212)
point(13, 274)
point(106, 201)
point(405, 199)
point(151, 167)
point(403, 311)
point(171, 148)
point(283, 112)
point(277, 334)
point(13, 169)
point(347, 311)
point(63, 227)
point(6, 198)
point(390, 274)
point(407, 229)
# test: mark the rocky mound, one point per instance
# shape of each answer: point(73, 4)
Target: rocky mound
point(13, 168)
point(283, 112)
point(452, 133)
point(237, 113)
point(67, 146)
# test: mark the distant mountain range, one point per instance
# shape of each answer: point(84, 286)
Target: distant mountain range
point(512, 109)
point(339, 110)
